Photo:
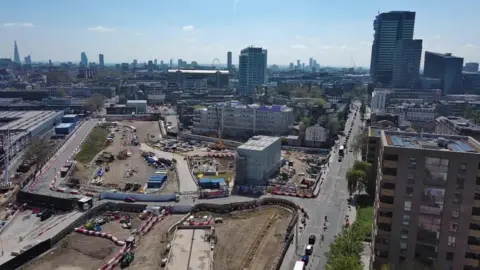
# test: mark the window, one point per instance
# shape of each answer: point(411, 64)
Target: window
point(412, 163)
point(462, 168)
point(390, 157)
point(390, 171)
point(477, 196)
point(385, 214)
point(404, 234)
point(455, 213)
point(453, 227)
point(457, 198)
point(449, 256)
point(409, 192)
point(477, 182)
point(451, 241)
point(475, 226)
point(411, 177)
point(407, 206)
point(403, 247)
point(406, 220)
point(460, 181)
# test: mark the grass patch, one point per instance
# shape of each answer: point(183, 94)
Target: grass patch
point(364, 218)
point(94, 143)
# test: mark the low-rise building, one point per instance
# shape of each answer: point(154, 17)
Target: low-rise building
point(454, 125)
point(139, 105)
point(315, 136)
point(257, 160)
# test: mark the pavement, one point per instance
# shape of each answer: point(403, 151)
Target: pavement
point(42, 186)
point(331, 202)
point(187, 182)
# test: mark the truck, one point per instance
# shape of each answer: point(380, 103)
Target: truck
point(341, 151)
point(299, 265)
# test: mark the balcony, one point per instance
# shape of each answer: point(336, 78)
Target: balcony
point(474, 233)
point(474, 248)
point(471, 262)
point(381, 246)
point(389, 164)
point(387, 177)
point(476, 203)
point(387, 192)
point(381, 232)
point(386, 206)
point(387, 220)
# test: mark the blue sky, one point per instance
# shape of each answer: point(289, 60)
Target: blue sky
point(332, 32)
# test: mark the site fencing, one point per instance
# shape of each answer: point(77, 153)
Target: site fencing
point(138, 197)
point(27, 256)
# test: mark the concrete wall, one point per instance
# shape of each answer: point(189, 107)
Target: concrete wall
point(138, 197)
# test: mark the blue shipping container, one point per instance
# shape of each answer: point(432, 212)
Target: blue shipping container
point(204, 180)
point(218, 181)
point(154, 184)
point(69, 118)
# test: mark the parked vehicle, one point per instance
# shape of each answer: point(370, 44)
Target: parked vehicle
point(311, 239)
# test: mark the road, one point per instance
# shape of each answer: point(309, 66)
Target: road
point(42, 186)
point(331, 202)
point(187, 182)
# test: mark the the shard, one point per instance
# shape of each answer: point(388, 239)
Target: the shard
point(16, 55)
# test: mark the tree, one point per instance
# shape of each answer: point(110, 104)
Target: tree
point(322, 120)
point(360, 143)
point(354, 177)
point(363, 109)
point(333, 125)
point(344, 262)
point(368, 182)
point(307, 121)
point(348, 243)
point(39, 151)
point(95, 102)
point(61, 92)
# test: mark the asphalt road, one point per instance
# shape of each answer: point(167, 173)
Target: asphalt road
point(43, 184)
point(187, 182)
point(331, 202)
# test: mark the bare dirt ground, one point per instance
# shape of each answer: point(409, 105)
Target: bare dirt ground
point(146, 131)
point(82, 252)
point(152, 247)
point(171, 185)
point(299, 165)
point(238, 232)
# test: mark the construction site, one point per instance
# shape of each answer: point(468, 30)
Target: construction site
point(121, 165)
point(109, 240)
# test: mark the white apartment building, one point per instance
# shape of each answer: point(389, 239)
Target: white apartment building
point(418, 114)
point(379, 98)
point(257, 159)
point(238, 120)
point(315, 135)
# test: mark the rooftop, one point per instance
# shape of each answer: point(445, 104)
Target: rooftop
point(459, 123)
point(136, 102)
point(64, 125)
point(461, 144)
point(25, 120)
point(198, 71)
point(258, 143)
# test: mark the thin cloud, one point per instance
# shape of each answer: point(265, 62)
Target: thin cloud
point(26, 25)
point(235, 4)
point(470, 45)
point(138, 34)
point(299, 46)
point(101, 29)
point(188, 28)
point(191, 40)
point(326, 47)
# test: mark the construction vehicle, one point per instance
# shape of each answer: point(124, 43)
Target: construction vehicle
point(127, 259)
point(219, 144)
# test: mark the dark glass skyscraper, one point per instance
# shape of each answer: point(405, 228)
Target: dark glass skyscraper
point(16, 55)
point(445, 67)
point(252, 69)
point(389, 28)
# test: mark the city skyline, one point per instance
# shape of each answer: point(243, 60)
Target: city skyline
point(178, 30)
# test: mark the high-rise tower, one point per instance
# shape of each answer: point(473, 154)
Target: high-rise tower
point(229, 60)
point(389, 28)
point(16, 55)
point(252, 69)
point(83, 59)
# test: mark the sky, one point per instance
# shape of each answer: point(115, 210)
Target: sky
point(335, 33)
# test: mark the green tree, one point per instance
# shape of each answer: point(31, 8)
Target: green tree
point(368, 182)
point(307, 121)
point(343, 263)
point(354, 178)
point(363, 109)
point(322, 120)
point(348, 243)
point(333, 125)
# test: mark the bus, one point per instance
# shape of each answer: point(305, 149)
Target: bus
point(341, 151)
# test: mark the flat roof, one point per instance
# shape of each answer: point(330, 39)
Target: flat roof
point(198, 71)
point(450, 143)
point(64, 125)
point(25, 121)
point(459, 122)
point(70, 115)
point(136, 101)
point(189, 250)
point(258, 143)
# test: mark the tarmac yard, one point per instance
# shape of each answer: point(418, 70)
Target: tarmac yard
point(250, 239)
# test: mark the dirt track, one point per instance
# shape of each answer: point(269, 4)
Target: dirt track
point(238, 233)
point(151, 247)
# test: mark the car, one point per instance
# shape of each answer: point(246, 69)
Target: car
point(309, 250)
point(130, 199)
point(311, 239)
